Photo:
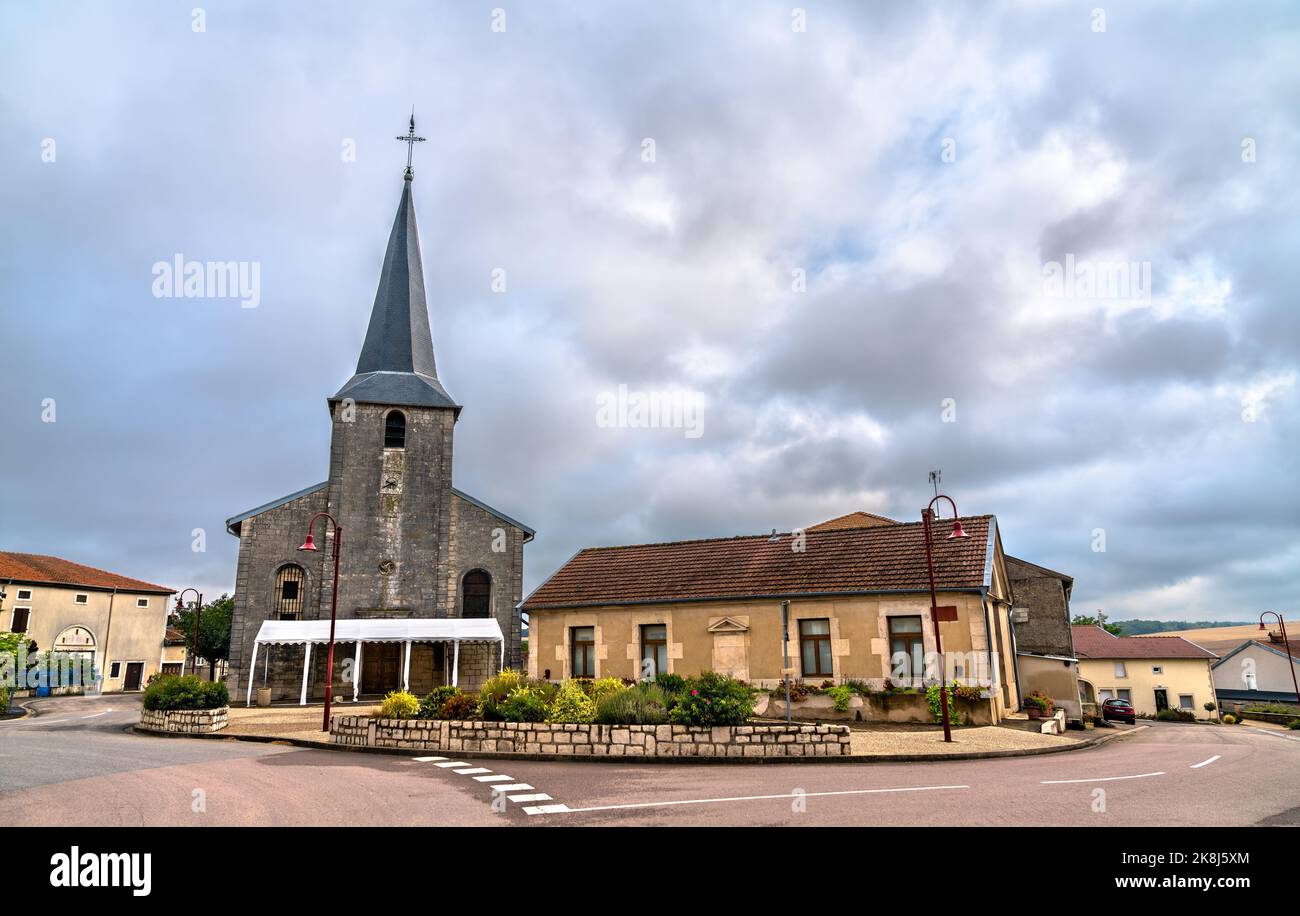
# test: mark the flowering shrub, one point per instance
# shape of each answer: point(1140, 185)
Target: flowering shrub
point(571, 704)
point(714, 699)
point(458, 706)
point(399, 705)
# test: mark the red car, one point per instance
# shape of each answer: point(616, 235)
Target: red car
point(1121, 710)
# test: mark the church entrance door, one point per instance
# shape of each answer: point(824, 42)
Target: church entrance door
point(381, 667)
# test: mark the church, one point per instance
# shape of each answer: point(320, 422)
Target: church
point(429, 578)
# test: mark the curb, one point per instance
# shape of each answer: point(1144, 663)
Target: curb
point(671, 761)
point(26, 713)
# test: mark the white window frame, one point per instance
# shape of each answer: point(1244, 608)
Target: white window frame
point(1191, 701)
point(81, 598)
point(142, 602)
point(1105, 694)
point(1121, 670)
point(1157, 669)
point(1119, 691)
point(24, 594)
point(14, 612)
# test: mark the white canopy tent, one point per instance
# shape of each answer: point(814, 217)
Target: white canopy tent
point(405, 630)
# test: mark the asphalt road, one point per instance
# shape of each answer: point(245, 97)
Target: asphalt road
point(77, 764)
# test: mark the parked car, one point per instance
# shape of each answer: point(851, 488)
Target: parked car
point(1121, 710)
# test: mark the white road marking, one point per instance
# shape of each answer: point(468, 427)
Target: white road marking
point(427, 759)
point(451, 763)
point(472, 770)
point(495, 778)
point(536, 796)
point(1058, 782)
point(741, 798)
point(1205, 763)
point(98, 714)
point(546, 809)
point(517, 787)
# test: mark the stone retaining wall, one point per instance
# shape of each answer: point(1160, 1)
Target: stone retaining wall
point(592, 740)
point(185, 721)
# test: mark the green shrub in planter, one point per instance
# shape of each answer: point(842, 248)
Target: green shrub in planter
point(714, 699)
point(399, 705)
point(840, 696)
point(571, 704)
point(673, 686)
point(933, 700)
point(188, 692)
point(431, 705)
point(525, 704)
point(1293, 724)
point(644, 704)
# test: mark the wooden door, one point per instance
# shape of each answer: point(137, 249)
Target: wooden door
point(381, 667)
point(134, 674)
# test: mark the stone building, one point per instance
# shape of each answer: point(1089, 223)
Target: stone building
point(1044, 596)
point(414, 548)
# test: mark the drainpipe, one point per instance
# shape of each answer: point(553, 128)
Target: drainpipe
point(785, 646)
point(108, 629)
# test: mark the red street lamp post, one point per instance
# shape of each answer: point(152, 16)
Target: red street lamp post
point(310, 544)
point(1282, 626)
point(198, 618)
point(927, 515)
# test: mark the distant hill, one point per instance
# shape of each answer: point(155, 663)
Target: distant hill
point(1143, 627)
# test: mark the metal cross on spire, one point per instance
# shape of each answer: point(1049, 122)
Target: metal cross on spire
point(410, 140)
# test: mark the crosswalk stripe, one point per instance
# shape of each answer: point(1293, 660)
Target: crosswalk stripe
point(496, 778)
point(545, 809)
point(451, 763)
point(539, 796)
point(472, 770)
point(427, 759)
point(517, 787)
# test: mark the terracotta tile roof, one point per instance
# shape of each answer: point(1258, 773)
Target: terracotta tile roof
point(1094, 642)
point(854, 520)
point(38, 569)
point(885, 558)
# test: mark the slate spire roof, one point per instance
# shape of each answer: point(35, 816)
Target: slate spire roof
point(396, 365)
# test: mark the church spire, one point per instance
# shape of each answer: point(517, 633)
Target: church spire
point(396, 365)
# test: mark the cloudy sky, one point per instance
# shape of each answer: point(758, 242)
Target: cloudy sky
point(835, 226)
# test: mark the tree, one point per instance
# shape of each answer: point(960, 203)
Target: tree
point(1082, 620)
point(214, 631)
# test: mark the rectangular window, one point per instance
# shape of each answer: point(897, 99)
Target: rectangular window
point(1185, 701)
point(1104, 694)
point(1120, 670)
point(1124, 694)
point(81, 599)
point(21, 617)
point(142, 602)
point(115, 670)
point(654, 650)
point(906, 647)
point(24, 594)
point(1157, 669)
point(815, 647)
point(583, 640)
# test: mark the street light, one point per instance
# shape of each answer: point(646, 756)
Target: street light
point(310, 544)
point(1282, 625)
point(198, 618)
point(927, 514)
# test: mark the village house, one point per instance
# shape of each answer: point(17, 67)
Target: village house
point(113, 621)
point(1258, 671)
point(1151, 672)
point(858, 603)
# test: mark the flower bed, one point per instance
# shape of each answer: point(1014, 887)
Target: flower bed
point(591, 739)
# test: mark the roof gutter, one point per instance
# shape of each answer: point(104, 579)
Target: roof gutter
point(978, 590)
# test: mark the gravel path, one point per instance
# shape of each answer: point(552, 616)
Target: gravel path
point(964, 740)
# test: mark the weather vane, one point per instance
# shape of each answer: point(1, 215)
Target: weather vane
point(410, 140)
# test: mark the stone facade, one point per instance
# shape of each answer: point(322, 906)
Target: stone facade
point(1046, 596)
point(185, 721)
point(569, 740)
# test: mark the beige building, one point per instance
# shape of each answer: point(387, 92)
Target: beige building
point(858, 607)
point(1151, 672)
point(1258, 671)
point(116, 621)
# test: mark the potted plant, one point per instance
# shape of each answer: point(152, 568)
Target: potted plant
point(1039, 705)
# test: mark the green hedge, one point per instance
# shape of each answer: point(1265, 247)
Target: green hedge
point(188, 692)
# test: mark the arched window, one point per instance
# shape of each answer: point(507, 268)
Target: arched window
point(477, 589)
point(395, 430)
point(290, 583)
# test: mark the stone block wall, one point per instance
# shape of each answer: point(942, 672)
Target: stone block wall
point(185, 721)
point(570, 740)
